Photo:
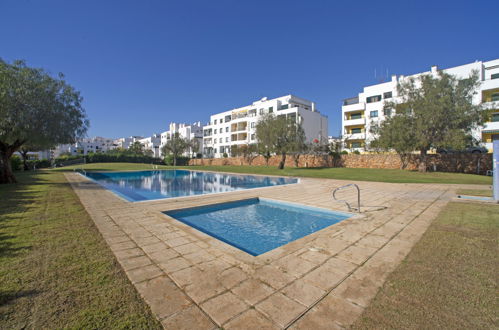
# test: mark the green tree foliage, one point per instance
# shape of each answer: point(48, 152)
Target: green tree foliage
point(136, 148)
point(176, 146)
point(248, 151)
point(35, 109)
point(432, 111)
point(279, 135)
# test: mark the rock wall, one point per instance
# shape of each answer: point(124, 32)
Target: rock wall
point(458, 163)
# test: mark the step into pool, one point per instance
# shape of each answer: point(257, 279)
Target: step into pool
point(258, 225)
point(150, 185)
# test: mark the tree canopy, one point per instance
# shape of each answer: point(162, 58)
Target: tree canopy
point(280, 135)
point(431, 111)
point(176, 146)
point(36, 109)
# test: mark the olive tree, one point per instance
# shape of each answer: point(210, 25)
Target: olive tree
point(279, 135)
point(431, 111)
point(35, 109)
point(176, 146)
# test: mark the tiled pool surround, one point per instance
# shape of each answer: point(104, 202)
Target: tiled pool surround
point(323, 280)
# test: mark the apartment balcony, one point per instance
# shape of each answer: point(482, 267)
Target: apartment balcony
point(354, 107)
point(492, 105)
point(355, 136)
point(489, 84)
point(237, 127)
point(354, 122)
point(491, 126)
point(239, 137)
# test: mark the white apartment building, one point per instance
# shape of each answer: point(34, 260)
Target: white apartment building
point(85, 146)
point(126, 142)
point(360, 112)
point(152, 143)
point(238, 126)
point(190, 132)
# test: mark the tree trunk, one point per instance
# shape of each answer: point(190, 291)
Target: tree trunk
point(24, 155)
point(6, 174)
point(422, 165)
point(174, 160)
point(283, 161)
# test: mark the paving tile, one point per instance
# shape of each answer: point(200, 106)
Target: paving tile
point(356, 254)
point(188, 319)
point(122, 246)
point(252, 291)
point(163, 296)
point(324, 277)
point(187, 276)
point(251, 319)
point(204, 290)
point(143, 241)
point(177, 241)
point(303, 292)
point(294, 265)
point(131, 263)
point(175, 264)
point(155, 247)
point(281, 309)
point(187, 248)
point(356, 290)
point(199, 257)
point(232, 276)
point(224, 307)
point(340, 266)
point(144, 273)
point(129, 253)
point(316, 257)
point(163, 255)
point(274, 277)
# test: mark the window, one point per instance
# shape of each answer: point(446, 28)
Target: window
point(373, 114)
point(495, 97)
point(215, 121)
point(227, 118)
point(494, 76)
point(387, 112)
point(356, 145)
point(271, 109)
point(495, 117)
point(215, 131)
point(227, 129)
point(356, 130)
point(221, 150)
point(226, 139)
point(375, 98)
point(220, 140)
point(252, 125)
point(260, 111)
point(221, 120)
point(356, 115)
point(283, 107)
point(252, 136)
point(387, 95)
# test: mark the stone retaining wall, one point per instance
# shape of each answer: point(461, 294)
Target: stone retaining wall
point(458, 163)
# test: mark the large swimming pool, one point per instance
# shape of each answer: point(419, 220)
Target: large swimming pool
point(150, 185)
point(258, 225)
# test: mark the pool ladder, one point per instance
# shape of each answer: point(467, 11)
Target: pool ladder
point(348, 204)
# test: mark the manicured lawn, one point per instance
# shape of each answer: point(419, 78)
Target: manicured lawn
point(55, 269)
point(449, 280)
point(475, 192)
point(354, 174)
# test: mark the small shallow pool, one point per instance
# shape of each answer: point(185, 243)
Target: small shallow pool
point(150, 185)
point(258, 225)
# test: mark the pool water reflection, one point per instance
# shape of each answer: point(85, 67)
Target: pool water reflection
point(150, 185)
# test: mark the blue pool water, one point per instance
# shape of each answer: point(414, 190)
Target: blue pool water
point(257, 225)
point(149, 185)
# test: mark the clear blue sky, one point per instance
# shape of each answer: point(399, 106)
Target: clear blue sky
point(141, 64)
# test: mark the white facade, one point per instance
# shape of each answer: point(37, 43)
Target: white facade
point(238, 126)
point(360, 112)
point(152, 143)
point(85, 146)
point(126, 142)
point(190, 132)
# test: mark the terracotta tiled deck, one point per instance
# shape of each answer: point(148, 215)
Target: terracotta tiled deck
point(324, 280)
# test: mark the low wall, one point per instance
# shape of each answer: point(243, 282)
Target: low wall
point(458, 163)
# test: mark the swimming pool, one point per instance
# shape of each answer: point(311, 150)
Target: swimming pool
point(150, 185)
point(258, 225)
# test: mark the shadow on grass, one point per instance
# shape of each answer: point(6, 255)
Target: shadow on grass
point(7, 297)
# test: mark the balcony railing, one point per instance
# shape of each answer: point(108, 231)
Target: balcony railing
point(352, 100)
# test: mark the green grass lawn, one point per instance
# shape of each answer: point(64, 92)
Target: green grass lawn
point(449, 280)
point(56, 271)
point(354, 174)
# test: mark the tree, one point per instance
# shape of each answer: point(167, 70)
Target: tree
point(432, 111)
point(176, 146)
point(248, 151)
point(31, 147)
point(136, 148)
point(35, 108)
point(279, 135)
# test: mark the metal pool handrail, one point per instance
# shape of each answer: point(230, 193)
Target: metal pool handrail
point(348, 204)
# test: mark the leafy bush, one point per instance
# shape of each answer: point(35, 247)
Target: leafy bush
point(225, 155)
point(16, 163)
point(344, 152)
point(39, 163)
point(356, 152)
point(181, 161)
